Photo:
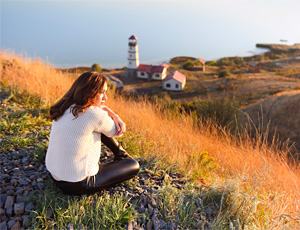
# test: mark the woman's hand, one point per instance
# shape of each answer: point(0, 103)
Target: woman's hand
point(121, 126)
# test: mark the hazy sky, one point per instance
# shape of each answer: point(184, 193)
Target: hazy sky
point(84, 32)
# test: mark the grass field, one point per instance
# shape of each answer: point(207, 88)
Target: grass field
point(257, 181)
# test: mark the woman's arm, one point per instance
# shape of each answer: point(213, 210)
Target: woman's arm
point(121, 126)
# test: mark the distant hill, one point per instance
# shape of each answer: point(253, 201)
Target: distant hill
point(281, 113)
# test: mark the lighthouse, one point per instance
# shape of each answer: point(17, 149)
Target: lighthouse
point(133, 57)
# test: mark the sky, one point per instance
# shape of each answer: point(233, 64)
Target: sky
point(69, 33)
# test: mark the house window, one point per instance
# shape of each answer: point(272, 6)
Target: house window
point(157, 75)
point(168, 85)
point(177, 85)
point(142, 73)
point(129, 55)
point(130, 63)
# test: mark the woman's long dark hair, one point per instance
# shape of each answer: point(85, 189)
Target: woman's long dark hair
point(81, 94)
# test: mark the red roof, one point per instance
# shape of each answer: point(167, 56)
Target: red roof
point(177, 76)
point(151, 68)
point(133, 37)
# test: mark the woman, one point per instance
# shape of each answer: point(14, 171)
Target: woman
point(80, 123)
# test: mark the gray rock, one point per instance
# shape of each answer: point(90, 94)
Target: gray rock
point(171, 225)
point(22, 181)
point(3, 198)
point(150, 210)
point(39, 180)
point(9, 211)
point(26, 221)
point(3, 225)
point(9, 201)
point(16, 226)
point(19, 208)
point(19, 191)
point(208, 211)
point(141, 207)
point(10, 223)
point(156, 222)
point(70, 226)
point(29, 207)
point(2, 212)
point(199, 202)
point(149, 225)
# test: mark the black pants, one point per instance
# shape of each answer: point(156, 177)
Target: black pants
point(108, 175)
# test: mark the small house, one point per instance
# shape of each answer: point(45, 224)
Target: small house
point(155, 72)
point(201, 67)
point(174, 81)
point(254, 67)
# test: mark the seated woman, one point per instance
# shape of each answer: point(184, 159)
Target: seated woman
point(80, 123)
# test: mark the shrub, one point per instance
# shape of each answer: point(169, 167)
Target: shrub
point(96, 67)
point(224, 73)
point(188, 65)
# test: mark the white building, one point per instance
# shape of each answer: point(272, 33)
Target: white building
point(133, 57)
point(155, 72)
point(174, 81)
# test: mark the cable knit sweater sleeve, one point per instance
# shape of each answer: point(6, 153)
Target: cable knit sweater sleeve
point(75, 144)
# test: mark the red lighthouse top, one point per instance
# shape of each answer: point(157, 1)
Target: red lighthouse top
point(133, 37)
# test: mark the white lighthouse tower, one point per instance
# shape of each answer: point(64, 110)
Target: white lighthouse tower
point(133, 57)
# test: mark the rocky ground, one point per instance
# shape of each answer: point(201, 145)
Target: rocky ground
point(22, 178)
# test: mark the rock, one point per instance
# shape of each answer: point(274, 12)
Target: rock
point(2, 212)
point(49, 213)
point(9, 201)
point(3, 198)
point(171, 225)
point(141, 208)
point(26, 221)
point(199, 202)
point(9, 211)
point(152, 201)
point(29, 207)
point(150, 209)
point(16, 226)
point(19, 191)
point(11, 223)
point(3, 225)
point(149, 225)
point(156, 222)
point(19, 208)
point(208, 211)
point(22, 181)
point(70, 226)
point(39, 180)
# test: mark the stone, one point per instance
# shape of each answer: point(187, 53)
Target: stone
point(3, 198)
point(29, 207)
point(26, 221)
point(171, 225)
point(70, 226)
point(208, 211)
point(150, 210)
point(9, 210)
point(156, 222)
point(49, 213)
point(141, 208)
point(11, 223)
point(3, 225)
point(152, 201)
point(39, 180)
point(16, 226)
point(130, 226)
point(149, 225)
point(199, 202)
point(2, 212)
point(9, 201)
point(22, 181)
point(19, 191)
point(19, 208)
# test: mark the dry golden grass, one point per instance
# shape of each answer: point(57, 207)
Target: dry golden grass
point(23, 73)
point(264, 169)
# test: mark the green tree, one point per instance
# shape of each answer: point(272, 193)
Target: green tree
point(188, 65)
point(96, 67)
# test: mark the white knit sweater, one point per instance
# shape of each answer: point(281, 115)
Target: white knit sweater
point(75, 144)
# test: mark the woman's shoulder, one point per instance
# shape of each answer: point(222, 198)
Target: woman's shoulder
point(96, 111)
